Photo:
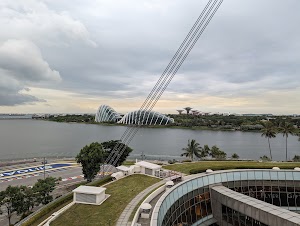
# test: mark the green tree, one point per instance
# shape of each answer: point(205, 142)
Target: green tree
point(192, 149)
point(91, 156)
point(28, 201)
point(268, 131)
point(215, 152)
point(108, 146)
point(42, 190)
point(296, 158)
point(11, 201)
point(265, 158)
point(235, 156)
point(287, 128)
point(204, 151)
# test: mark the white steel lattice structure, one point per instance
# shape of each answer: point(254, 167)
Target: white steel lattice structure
point(143, 117)
point(106, 114)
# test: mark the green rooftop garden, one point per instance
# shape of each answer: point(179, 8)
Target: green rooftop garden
point(121, 191)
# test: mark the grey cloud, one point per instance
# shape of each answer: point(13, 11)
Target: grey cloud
point(34, 21)
point(23, 60)
point(21, 64)
point(13, 99)
point(249, 47)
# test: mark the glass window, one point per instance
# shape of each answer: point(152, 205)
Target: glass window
point(211, 179)
point(281, 175)
point(195, 184)
point(218, 178)
point(200, 182)
point(266, 175)
point(224, 177)
point(258, 175)
point(229, 176)
point(244, 176)
point(274, 175)
point(251, 175)
point(296, 175)
point(236, 176)
point(205, 180)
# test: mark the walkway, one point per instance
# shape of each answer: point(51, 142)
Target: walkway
point(124, 218)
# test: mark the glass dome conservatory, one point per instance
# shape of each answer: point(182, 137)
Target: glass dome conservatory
point(143, 117)
point(106, 114)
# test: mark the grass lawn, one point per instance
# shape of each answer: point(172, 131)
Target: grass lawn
point(107, 214)
point(219, 165)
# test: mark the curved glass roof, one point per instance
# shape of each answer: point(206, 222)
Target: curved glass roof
point(143, 117)
point(106, 114)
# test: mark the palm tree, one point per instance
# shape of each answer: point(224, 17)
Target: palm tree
point(287, 128)
point(268, 131)
point(205, 151)
point(193, 148)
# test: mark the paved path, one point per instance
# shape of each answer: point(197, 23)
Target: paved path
point(124, 218)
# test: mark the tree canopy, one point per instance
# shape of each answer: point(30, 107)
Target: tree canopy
point(193, 148)
point(92, 156)
point(268, 131)
point(108, 146)
point(287, 128)
point(43, 188)
point(22, 199)
point(215, 152)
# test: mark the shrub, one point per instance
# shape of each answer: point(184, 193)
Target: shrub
point(172, 161)
point(235, 156)
point(187, 160)
point(265, 158)
point(296, 158)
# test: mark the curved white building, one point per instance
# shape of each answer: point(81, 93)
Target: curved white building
point(106, 114)
point(254, 197)
point(143, 117)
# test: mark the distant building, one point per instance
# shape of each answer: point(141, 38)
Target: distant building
point(145, 118)
point(140, 117)
point(15, 116)
point(106, 114)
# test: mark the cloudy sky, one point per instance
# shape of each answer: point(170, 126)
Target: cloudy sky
point(72, 56)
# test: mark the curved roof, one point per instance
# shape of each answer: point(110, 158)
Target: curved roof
point(144, 117)
point(106, 113)
point(192, 183)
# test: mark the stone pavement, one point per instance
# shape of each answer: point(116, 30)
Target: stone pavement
point(124, 218)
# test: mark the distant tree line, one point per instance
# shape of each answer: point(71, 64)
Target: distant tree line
point(269, 130)
point(231, 122)
point(85, 118)
point(194, 149)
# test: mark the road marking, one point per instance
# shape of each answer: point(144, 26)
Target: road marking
point(28, 170)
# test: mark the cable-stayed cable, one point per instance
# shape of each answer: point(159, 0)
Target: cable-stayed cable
point(155, 90)
point(129, 136)
point(164, 80)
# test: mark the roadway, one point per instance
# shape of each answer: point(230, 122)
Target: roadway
point(29, 174)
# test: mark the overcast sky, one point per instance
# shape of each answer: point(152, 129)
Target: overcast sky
point(72, 56)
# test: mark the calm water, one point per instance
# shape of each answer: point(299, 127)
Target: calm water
point(34, 138)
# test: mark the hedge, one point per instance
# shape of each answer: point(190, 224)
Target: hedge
point(60, 201)
point(195, 171)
